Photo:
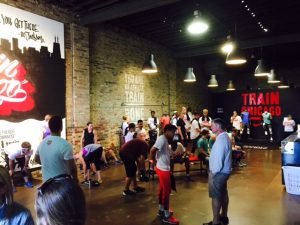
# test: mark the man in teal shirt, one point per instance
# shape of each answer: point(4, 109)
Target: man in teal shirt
point(55, 153)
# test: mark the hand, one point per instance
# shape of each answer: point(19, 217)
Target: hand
point(151, 161)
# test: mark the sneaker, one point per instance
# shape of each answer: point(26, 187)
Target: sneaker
point(161, 213)
point(271, 139)
point(100, 181)
point(224, 220)
point(139, 189)
point(87, 182)
point(242, 164)
point(28, 185)
point(128, 193)
point(170, 220)
point(118, 162)
point(266, 133)
point(188, 179)
point(144, 178)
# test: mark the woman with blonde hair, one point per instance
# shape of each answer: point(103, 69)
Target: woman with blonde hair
point(10, 211)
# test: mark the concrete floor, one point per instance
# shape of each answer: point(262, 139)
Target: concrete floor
point(256, 197)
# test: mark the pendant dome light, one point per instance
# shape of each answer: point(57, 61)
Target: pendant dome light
point(198, 26)
point(213, 82)
point(149, 65)
point(261, 69)
point(235, 57)
point(230, 86)
point(273, 77)
point(283, 84)
point(190, 76)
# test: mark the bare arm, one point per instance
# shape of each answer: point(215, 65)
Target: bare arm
point(73, 169)
point(11, 167)
point(82, 139)
point(95, 136)
point(153, 152)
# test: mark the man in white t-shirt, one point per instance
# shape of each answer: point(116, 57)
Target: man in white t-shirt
point(55, 154)
point(236, 121)
point(153, 123)
point(22, 155)
point(162, 151)
point(195, 131)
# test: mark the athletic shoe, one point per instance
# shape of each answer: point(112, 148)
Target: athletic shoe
point(100, 181)
point(266, 133)
point(271, 139)
point(161, 213)
point(170, 220)
point(224, 220)
point(118, 162)
point(28, 185)
point(242, 164)
point(144, 178)
point(139, 189)
point(188, 179)
point(128, 193)
point(87, 182)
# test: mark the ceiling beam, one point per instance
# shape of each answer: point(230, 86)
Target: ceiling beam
point(254, 43)
point(122, 9)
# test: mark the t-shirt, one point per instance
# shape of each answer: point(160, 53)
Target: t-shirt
point(194, 132)
point(180, 123)
point(90, 148)
point(288, 125)
point(15, 214)
point(54, 153)
point(202, 143)
point(129, 136)
point(245, 117)
point(124, 126)
point(220, 155)
point(236, 122)
point(266, 117)
point(164, 120)
point(134, 149)
point(205, 121)
point(163, 153)
point(17, 153)
point(152, 122)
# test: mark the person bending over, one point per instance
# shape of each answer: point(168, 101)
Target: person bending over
point(90, 154)
point(238, 154)
point(132, 153)
point(21, 155)
point(60, 201)
point(10, 211)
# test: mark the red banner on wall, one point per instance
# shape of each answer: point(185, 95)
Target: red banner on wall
point(15, 90)
point(257, 103)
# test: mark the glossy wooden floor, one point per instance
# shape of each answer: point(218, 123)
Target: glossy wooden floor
point(256, 197)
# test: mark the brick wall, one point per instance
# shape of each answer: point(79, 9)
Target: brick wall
point(103, 74)
point(118, 87)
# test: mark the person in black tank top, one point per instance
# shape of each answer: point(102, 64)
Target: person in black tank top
point(88, 135)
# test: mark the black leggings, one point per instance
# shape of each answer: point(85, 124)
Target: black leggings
point(94, 157)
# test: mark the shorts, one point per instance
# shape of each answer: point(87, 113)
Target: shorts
point(94, 157)
point(130, 166)
point(217, 185)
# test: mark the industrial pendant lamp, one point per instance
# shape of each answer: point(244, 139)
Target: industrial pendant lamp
point(197, 26)
point(273, 77)
point(228, 46)
point(230, 86)
point(235, 57)
point(283, 84)
point(149, 65)
point(213, 82)
point(261, 69)
point(190, 76)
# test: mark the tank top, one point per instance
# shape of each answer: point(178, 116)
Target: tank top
point(88, 138)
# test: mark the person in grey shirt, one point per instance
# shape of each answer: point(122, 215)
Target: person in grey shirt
point(220, 168)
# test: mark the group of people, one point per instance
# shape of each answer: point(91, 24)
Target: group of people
point(60, 199)
point(182, 136)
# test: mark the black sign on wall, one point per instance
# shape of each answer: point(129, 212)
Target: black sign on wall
point(279, 103)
